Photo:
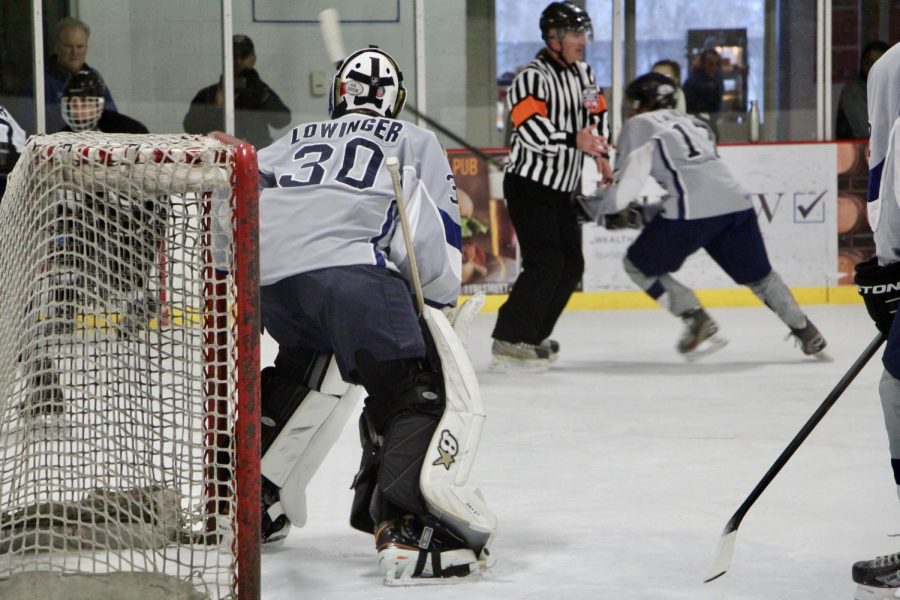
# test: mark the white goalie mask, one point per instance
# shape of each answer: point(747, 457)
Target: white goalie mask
point(82, 100)
point(369, 82)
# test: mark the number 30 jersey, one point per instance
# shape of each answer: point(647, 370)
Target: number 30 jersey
point(678, 151)
point(327, 200)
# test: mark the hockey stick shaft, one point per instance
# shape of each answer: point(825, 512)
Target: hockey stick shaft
point(726, 543)
point(393, 167)
point(435, 125)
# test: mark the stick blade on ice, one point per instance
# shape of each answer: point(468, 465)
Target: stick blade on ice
point(722, 560)
point(329, 23)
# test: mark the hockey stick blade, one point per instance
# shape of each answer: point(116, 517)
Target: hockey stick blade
point(329, 23)
point(722, 560)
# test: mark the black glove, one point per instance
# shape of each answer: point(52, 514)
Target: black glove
point(631, 217)
point(880, 290)
point(583, 211)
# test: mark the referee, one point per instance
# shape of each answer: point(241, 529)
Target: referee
point(556, 110)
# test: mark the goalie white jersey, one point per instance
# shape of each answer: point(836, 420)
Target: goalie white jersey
point(678, 151)
point(313, 217)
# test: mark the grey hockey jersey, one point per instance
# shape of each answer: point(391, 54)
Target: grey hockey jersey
point(883, 205)
point(679, 152)
point(327, 200)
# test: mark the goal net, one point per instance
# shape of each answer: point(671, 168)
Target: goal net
point(129, 364)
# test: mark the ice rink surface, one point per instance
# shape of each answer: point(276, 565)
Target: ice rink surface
point(613, 474)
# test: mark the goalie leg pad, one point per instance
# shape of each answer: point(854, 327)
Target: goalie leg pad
point(395, 431)
point(459, 507)
point(302, 420)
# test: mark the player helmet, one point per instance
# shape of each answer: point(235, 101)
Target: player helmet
point(651, 92)
point(565, 16)
point(82, 100)
point(369, 82)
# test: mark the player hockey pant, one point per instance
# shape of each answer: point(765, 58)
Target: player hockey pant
point(733, 241)
point(549, 237)
point(364, 315)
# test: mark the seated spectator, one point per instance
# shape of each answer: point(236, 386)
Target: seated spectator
point(256, 106)
point(852, 115)
point(70, 47)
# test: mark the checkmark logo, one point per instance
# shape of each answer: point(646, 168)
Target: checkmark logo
point(804, 211)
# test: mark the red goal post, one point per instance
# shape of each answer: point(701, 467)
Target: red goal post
point(129, 369)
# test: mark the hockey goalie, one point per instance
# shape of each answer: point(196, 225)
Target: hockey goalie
point(337, 282)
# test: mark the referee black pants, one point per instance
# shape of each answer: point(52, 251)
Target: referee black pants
point(549, 237)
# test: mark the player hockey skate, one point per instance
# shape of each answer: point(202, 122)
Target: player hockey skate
point(552, 347)
point(810, 340)
point(877, 579)
point(412, 551)
point(700, 336)
point(275, 524)
point(509, 356)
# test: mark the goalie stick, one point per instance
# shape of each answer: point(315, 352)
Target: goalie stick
point(722, 560)
point(393, 167)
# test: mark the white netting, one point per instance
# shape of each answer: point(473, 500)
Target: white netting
point(116, 366)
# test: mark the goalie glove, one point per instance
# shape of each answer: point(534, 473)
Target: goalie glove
point(879, 287)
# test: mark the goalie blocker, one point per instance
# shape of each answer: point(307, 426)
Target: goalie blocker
point(305, 407)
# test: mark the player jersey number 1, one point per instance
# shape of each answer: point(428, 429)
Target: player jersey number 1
point(313, 158)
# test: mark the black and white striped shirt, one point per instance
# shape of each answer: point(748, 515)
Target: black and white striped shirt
point(549, 104)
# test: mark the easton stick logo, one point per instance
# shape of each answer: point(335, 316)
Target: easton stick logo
point(447, 448)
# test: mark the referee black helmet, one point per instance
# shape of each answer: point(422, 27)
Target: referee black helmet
point(564, 16)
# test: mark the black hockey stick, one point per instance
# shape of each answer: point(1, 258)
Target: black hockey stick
point(726, 543)
point(435, 125)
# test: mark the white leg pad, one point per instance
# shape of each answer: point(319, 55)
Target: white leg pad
point(310, 433)
point(452, 451)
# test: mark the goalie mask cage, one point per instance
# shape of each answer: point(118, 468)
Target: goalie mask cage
point(129, 369)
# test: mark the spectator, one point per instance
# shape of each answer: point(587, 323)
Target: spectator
point(70, 47)
point(672, 70)
point(704, 88)
point(12, 142)
point(559, 117)
point(257, 107)
point(852, 117)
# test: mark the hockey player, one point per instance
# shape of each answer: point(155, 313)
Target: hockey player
point(336, 280)
point(878, 282)
point(83, 107)
point(703, 207)
point(131, 233)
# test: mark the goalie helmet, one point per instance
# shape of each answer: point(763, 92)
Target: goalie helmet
point(565, 16)
point(652, 91)
point(82, 100)
point(369, 82)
